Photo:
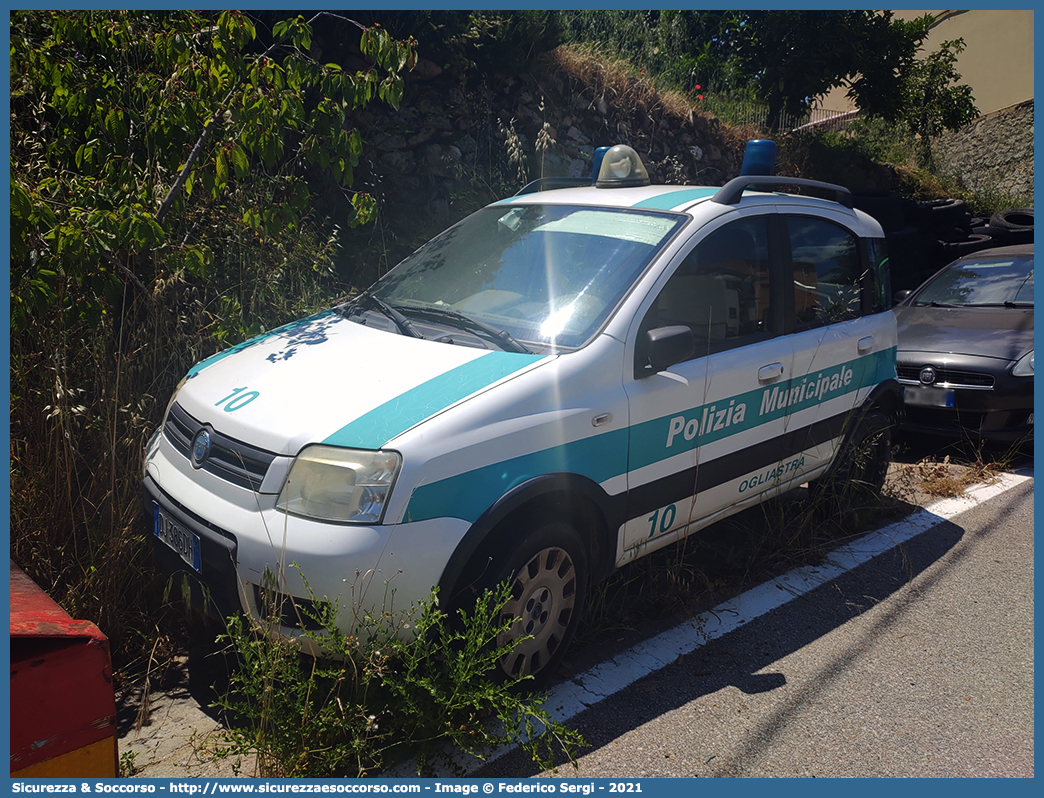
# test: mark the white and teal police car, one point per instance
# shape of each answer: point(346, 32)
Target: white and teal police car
point(560, 383)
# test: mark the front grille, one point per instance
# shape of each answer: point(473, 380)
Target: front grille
point(947, 378)
point(231, 460)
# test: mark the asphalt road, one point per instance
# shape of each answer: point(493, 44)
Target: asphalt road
point(918, 663)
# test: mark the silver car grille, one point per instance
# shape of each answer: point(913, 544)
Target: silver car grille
point(231, 460)
point(947, 378)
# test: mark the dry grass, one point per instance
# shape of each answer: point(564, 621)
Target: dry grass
point(948, 480)
point(614, 81)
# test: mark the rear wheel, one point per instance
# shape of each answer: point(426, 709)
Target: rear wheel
point(548, 575)
point(856, 481)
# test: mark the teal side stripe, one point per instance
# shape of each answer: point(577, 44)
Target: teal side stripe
point(664, 202)
point(760, 406)
point(605, 456)
point(467, 495)
point(374, 429)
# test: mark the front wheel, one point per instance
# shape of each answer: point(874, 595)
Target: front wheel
point(548, 575)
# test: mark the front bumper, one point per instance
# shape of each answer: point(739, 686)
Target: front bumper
point(216, 589)
point(252, 555)
point(979, 402)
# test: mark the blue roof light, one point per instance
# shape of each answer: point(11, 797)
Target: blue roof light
point(597, 162)
point(759, 158)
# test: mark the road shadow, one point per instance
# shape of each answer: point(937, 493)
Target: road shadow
point(744, 657)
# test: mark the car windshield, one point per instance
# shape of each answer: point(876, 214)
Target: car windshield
point(545, 274)
point(985, 281)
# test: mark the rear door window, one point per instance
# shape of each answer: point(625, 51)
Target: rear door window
point(828, 272)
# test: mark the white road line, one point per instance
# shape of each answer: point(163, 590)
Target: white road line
point(569, 699)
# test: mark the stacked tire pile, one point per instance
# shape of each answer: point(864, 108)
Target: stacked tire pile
point(924, 236)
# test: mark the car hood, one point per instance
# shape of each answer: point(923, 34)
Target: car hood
point(1003, 333)
point(327, 379)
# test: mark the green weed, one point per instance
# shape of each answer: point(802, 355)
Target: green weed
point(127, 766)
point(415, 686)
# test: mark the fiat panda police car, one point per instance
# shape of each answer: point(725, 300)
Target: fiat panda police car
point(562, 382)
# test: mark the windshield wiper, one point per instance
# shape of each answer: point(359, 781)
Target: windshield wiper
point(501, 337)
point(405, 325)
point(1006, 304)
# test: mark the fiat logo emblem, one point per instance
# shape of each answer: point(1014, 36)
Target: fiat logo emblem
point(927, 375)
point(201, 447)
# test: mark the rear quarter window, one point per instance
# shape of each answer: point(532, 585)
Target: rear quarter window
point(879, 276)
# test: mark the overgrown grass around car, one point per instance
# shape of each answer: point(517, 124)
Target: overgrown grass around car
point(417, 686)
point(795, 529)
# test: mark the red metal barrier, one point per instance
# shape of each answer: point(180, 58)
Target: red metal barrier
point(63, 710)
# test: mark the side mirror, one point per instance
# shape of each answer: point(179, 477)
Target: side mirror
point(665, 346)
point(900, 296)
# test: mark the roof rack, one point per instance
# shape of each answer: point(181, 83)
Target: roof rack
point(732, 192)
point(547, 183)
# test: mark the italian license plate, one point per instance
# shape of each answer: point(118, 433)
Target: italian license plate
point(928, 397)
point(184, 542)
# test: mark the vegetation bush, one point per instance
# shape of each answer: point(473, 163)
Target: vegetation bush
point(178, 183)
point(425, 691)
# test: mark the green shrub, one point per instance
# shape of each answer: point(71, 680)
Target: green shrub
point(382, 696)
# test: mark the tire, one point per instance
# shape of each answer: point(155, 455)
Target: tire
point(973, 242)
point(942, 213)
point(1015, 219)
point(1000, 235)
point(857, 479)
point(548, 572)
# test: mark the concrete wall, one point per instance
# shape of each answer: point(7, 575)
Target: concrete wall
point(997, 61)
point(998, 58)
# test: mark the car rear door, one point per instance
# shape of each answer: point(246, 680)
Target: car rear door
point(841, 348)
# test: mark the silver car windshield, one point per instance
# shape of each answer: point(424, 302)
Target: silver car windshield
point(983, 281)
point(546, 274)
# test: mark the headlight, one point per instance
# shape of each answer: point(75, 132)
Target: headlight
point(1024, 368)
point(329, 483)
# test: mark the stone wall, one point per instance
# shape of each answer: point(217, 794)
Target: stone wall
point(455, 145)
point(995, 152)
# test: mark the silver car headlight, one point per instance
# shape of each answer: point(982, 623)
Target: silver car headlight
point(329, 483)
point(1024, 368)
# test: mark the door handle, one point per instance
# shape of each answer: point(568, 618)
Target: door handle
point(866, 344)
point(770, 372)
